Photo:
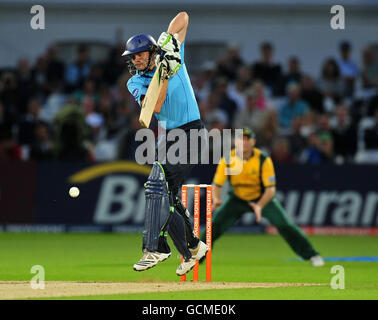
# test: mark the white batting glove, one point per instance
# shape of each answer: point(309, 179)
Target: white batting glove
point(171, 61)
point(168, 42)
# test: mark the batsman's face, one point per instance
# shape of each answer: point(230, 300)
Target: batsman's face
point(140, 59)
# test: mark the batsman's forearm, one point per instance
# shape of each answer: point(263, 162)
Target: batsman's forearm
point(268, 195)
point(161, 99)
point(178, 23)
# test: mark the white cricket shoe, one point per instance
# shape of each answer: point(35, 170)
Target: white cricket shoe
point(197, 254)
point(317, 261)
point(150, 259)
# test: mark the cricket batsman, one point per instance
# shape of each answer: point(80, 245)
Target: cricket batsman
point(176, 108)
point(254, 187)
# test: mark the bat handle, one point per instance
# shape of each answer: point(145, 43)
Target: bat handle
point(162, 53)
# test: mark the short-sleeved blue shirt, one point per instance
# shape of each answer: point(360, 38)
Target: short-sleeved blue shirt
point(180, 105)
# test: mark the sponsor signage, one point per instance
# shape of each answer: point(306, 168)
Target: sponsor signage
point(112, 195)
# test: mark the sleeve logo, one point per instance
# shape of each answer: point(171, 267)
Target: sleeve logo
point(272, 179)
point(135, 93)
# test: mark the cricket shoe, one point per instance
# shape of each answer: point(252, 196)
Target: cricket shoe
point(197, 254)
point(150, 259)
point(317, 261)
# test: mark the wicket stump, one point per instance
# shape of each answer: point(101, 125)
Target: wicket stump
point(196, 228)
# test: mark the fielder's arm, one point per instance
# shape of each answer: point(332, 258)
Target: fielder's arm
point(216, 196)
point(268, 195)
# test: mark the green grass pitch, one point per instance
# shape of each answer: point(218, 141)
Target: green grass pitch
point(236, 258)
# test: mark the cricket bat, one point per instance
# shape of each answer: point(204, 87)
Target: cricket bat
point(152, 95)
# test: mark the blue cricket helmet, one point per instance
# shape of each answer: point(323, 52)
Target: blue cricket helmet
point(139, 43)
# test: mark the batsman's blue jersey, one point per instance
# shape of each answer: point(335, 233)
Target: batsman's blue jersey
point(180, 105)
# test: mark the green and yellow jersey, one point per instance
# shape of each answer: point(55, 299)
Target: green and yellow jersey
point(256, 174)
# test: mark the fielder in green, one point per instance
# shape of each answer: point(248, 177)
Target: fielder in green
point(254, 187)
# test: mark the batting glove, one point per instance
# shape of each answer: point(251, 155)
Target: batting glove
point(169, 42)
point(171, 61)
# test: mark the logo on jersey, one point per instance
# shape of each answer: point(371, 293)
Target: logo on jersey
point(272, 179)
point(135, 93)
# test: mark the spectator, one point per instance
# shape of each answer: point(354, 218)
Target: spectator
point(268, 131)
point(10, 150)
point(251, 116)
point(311, 94)
point(330, 84)
point(25, 83)
point(324, 125)
point(55, 68)
point(30, 94)
point(88, 97)
point(127, 145)
point(96, 124)
point(203, 81)
point(27, 125)
point(236, 89)
point(5, 124)
point(71, 135)
point(233, 55)
point(124, 115)
point(294, 106)
point(294, 74)
point(326, 147)
point(120, 92)
point(371, 135)
point(104, 149)
point(309, 123)
point(55, 100)
point(348, 68)
point(344, 135)
point(369, 72)
point(281, 151)
point(42, 149)
point(225, 102)
point(263, 102)
point(216, 141)
point(210, 109)
point(106, 108)
point(372, 105)
point(228, 65)
point(319, 149)
point(79, 70)
point(39, 75)
point(297, 141)
point(9, 95)
point(115, 65)
point(96, 75)
point(266, 70)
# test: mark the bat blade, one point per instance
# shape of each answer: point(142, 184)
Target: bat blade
point(152, 95)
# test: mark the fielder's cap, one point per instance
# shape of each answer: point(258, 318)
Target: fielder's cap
point(248, 132)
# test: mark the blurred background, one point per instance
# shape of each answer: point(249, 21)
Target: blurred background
point(66, 117)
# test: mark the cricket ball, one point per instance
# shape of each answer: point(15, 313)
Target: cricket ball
point(74, 192)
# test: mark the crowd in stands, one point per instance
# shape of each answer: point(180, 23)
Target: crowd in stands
point(50, 110)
